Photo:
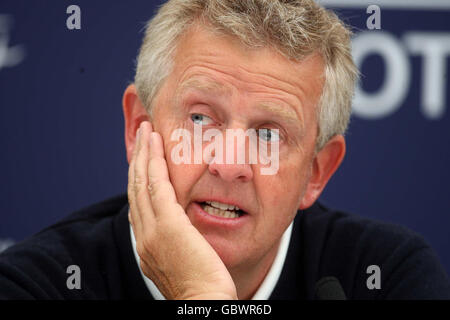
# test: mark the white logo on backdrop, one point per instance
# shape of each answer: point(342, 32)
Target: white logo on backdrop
point(10, 56)
point(389, 4)
point(432, 47)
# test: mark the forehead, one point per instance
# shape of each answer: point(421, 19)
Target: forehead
point(205, 61)
point(207, 86)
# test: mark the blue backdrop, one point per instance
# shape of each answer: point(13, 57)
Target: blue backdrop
point(61, 123)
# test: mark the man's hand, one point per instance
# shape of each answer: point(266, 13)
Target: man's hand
point(172, 252)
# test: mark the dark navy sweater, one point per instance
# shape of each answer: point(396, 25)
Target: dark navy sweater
point(323, 243)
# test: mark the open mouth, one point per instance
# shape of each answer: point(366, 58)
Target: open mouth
point(221, 209)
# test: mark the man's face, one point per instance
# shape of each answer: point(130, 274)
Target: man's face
point(220, 84)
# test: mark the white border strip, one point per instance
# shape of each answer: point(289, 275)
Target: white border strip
point(389, 4)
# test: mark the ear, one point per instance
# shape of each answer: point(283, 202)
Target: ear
point(134, 113)
point(324, 166)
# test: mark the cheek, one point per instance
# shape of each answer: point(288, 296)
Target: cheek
point(182, 179)
point(182, 176)
point(281, 193)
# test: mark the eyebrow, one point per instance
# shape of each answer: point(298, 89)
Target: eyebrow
point(283, 111)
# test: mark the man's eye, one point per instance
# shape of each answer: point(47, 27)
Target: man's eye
point(269, 135)
point(201, 119)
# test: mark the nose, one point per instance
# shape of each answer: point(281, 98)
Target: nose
point(231, 172)
point(234, 165)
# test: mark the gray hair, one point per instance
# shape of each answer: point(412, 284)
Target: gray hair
point(295, 28)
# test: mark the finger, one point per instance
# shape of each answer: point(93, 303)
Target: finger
point(134, 215)
point(130, 189)
point(143, 202)
point(134, 219)
point(162, 193)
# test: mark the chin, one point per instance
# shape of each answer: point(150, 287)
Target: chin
point(230, 252)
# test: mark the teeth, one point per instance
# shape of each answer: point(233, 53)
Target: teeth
point(219, 212)
point(222, 206)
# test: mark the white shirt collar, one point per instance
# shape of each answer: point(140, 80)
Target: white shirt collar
point(265, 289)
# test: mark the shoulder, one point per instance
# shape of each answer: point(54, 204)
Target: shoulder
point(330, 230)
point(36, 268)
point(348, 246)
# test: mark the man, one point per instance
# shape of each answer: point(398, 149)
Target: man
point(210, 226)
